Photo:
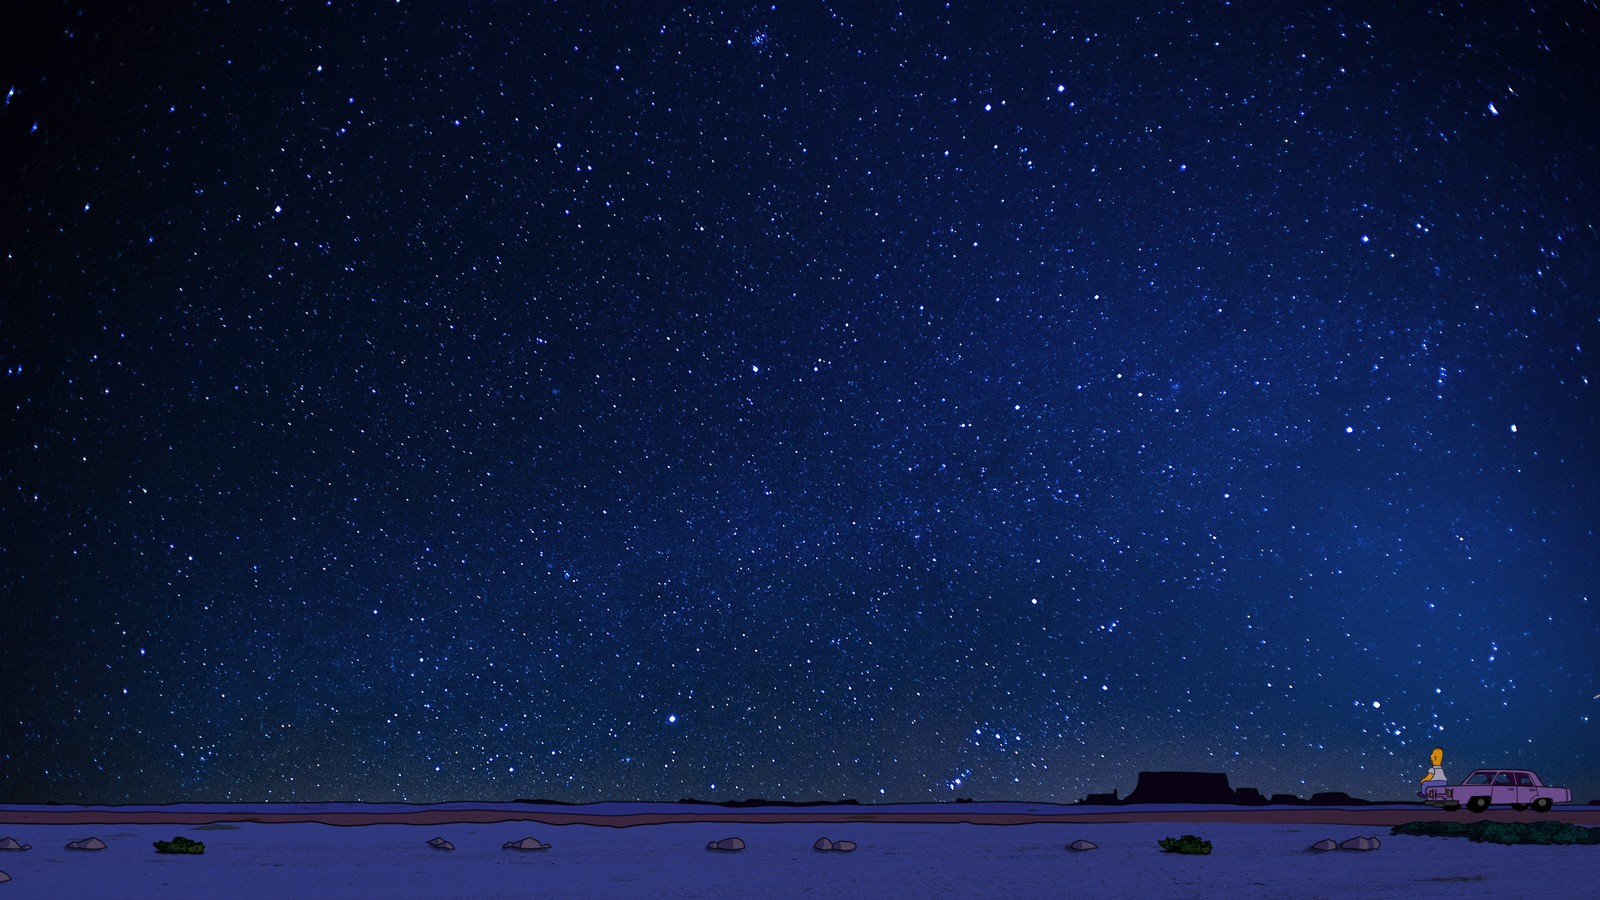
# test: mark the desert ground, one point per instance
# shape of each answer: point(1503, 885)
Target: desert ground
point(659, 851)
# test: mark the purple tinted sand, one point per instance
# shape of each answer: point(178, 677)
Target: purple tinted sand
point(1251, 858)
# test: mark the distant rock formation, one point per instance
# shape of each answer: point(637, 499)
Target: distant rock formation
point(1182, 787)
point(1337, 798)
point(1248, 796)
point(1101, 799)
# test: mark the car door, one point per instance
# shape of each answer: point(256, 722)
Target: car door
point(1505, 789)
point(1478, 784)
point(1527, 792)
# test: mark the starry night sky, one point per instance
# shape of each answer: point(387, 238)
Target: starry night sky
point(825, 400)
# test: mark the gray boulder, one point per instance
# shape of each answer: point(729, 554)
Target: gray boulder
point(89, 843)
point(1082, 845)
point(8, 843)
point(4, 878)
point(731, 843)
point(526, 843)
point(1360, 843)
point(1325, 845)
point(844, 846)
point(822, 844)
point(440, 843)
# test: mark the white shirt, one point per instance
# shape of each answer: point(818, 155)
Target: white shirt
point(1436, 775)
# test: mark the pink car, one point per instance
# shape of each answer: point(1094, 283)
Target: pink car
point(1518, 788)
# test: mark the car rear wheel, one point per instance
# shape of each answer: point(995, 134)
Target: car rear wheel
point(1541, 805)
point(1478, 804)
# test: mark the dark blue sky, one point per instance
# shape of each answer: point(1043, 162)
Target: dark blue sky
point(824, 400)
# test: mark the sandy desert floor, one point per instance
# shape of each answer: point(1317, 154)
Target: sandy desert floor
point(1264, 854)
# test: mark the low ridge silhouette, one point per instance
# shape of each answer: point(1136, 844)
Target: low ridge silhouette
point(1210, 788)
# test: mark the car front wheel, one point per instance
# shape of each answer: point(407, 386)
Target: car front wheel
point(1541, 805)
point(1478, 804)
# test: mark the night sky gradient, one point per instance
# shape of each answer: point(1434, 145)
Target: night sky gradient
point(890, 401)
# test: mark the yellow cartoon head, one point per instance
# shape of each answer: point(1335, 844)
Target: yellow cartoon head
point(1437, 756)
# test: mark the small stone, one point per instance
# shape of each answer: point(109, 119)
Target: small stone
point(440, 843)
point(1082, 845)
point(527, 843)
point(8, 843)
point(731, 843)
point(844, 846)
point(90, 843)
point(1360, 843)
point(4, 878)
point(822, 844)
point(1325, 845)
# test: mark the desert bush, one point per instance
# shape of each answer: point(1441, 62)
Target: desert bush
point(1187, 844)
point(1504, 832)
point(180, 845)
point(1432, 829)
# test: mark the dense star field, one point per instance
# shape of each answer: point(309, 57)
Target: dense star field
point(890, 401)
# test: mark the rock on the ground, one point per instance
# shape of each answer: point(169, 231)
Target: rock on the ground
point(1082, 845)
point(822, 844)
point(89, 843)
point(527, 843)
point(1360, 843)
point(440, 843)
point(1325, 844)
point(731, 843)
point(9, 843)
point(844, 846)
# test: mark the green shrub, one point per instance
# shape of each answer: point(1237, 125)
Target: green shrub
point(1432, 829)
point(180, 845)
point(1187, 844)
point(1504, 832)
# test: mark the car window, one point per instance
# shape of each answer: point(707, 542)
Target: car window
point(1525, 780)
point(1478, 778)
point(1503, 778)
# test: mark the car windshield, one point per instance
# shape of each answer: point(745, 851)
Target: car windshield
point(1479, 778)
